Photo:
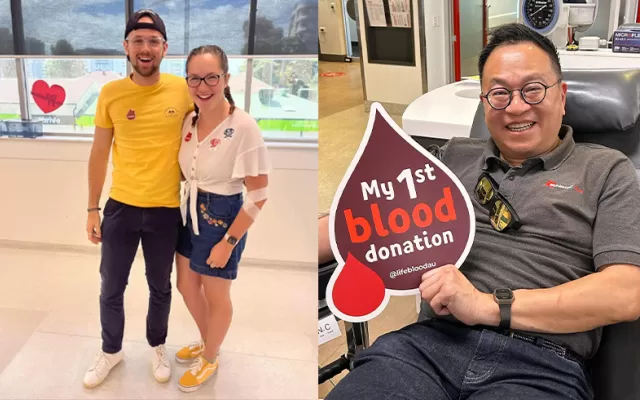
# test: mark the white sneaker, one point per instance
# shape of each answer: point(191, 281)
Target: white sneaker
point(160, 364)
point(100, 369)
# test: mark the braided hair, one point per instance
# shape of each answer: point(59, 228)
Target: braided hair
point(224, 63)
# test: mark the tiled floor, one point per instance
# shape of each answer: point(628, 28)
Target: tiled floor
point(339, 93)
point(50, 333)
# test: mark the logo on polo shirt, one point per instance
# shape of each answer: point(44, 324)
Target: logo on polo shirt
point(170, 112)
point(555, 185)
point(131, 115)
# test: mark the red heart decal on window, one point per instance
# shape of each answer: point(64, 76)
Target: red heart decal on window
point(47, 98)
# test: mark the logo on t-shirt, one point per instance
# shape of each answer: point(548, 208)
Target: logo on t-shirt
point(553, 184)
point(228, 133)
point(170, 112)
point(188, 137)
point(131, 115)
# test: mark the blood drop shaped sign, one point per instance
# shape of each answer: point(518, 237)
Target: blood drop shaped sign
point(398, 213)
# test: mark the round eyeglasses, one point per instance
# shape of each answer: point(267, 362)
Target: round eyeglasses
point(210, 80)
point(532, 93)
point(139, 43)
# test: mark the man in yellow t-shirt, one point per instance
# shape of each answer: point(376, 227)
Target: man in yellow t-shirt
point(140, 117)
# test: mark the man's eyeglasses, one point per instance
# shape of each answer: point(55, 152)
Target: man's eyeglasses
point(210, 80)
point(154, 43)
point(501, 214)
point(532, 93)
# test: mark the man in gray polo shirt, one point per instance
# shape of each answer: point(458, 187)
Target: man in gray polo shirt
point(555, 256)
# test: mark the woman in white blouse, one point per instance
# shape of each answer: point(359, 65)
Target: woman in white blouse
point(222, 150)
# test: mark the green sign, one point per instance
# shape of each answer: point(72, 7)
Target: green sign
point(296, 125)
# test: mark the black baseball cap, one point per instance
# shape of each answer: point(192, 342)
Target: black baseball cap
point(157, 24)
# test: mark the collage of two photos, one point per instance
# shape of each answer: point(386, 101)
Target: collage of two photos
point(158, 232)
point(411, 199)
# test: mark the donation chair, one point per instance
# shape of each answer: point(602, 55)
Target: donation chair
point(603, 107)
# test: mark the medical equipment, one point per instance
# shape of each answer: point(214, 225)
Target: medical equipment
point(558, 20)
point(589, 43)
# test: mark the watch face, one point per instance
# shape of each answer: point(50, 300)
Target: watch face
point(539, 13)
point(232, 240)
point(503, 294)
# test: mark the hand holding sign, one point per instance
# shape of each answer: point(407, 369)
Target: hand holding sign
point(398, 213)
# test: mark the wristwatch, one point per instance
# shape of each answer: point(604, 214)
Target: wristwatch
point(504, 297)
point(230, 239)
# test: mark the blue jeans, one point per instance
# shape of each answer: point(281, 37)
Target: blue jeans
point(436, 359)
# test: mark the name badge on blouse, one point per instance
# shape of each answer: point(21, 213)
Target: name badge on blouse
point(214, 144)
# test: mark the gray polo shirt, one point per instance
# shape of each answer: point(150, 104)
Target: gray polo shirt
point(580, 209)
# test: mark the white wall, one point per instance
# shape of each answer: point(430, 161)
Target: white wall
point(392, 83)
point(43, 199)
point(438, 42)
point(502, 12)
point(330, 17)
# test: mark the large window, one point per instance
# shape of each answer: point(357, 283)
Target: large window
point(63, 93)
point(191, 23)
point(9, 97)
point(94, 27)
point(284, 97)
point(64, 69)
point(286, 27)
point(6, 33)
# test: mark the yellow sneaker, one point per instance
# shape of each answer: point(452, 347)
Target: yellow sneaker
point(189, 353)
point(198, 374)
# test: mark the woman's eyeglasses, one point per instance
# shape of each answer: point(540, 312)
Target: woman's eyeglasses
point(210, 80)
point(501, 214)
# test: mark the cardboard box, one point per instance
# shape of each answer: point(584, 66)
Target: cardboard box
point(626, 39)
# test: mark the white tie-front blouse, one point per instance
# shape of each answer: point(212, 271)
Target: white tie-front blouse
point(221, 161)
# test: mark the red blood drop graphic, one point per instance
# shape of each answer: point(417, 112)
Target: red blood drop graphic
point(358, 291)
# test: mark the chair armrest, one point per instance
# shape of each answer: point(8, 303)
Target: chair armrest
point(615, 369)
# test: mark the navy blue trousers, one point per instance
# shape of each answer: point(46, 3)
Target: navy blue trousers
point(124, 227)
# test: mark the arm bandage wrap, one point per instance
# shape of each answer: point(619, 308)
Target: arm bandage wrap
point(253, 197)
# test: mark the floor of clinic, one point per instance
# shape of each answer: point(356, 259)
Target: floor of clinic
point(342, 123)
point(50, 330)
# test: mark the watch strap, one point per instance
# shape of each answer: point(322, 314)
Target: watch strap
point(505, 316)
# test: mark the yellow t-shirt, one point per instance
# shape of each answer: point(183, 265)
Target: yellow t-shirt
point(147, 123)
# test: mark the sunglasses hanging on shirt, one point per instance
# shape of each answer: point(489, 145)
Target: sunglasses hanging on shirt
point(501, 214)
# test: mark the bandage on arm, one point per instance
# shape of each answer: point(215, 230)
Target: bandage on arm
point(253, 197)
